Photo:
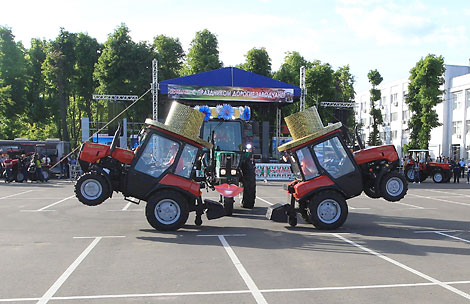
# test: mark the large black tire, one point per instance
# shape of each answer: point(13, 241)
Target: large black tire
point(167, 210)
point(438, 176)
point(92, 189)
point(328, 210)
point(393, 186)
point(19, 177)
point(369, 190)
point(410, 174)
point(248, 181)
point(228, 205)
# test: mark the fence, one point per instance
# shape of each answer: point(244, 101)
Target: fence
point(273, 172)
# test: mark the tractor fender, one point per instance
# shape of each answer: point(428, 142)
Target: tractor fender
point(105, 174)
point(160, 187)
point(335, 188)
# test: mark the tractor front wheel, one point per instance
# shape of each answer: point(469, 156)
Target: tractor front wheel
point(249, 184)
point(438, 177)
point(328, 210)
point(167, 210)
point(393, 186)
point(92, 189)
point(410, 174)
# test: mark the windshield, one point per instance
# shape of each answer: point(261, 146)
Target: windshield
point(227, 135)
point(332, 156)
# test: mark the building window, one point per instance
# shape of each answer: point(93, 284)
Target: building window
point(457, 100)
point(467, 126)
point(406, 115)
point(394, 99)
point(456, 127)
point(394, 134)
point(394, 116)
point(467, 95)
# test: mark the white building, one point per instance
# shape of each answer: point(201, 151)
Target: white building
point(452, 138)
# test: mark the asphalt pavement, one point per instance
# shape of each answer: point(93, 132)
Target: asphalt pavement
point(54, 249)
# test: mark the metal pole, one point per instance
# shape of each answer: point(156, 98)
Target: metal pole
point(303, 90)
point(155, 89)
point(278, 129)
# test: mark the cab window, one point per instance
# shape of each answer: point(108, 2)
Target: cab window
point(187, 159)
point(306, 163)
point(159, 154)
point(332, 157)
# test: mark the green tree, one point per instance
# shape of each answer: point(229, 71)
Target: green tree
point(289, 72)
point(257, 61)
point(170, 56)
point(59, 71)
point(124, 68)
point(203, 54)
point(375, 79)
point(12, 82)
point(344, 90)
point(319, 80)
point(424, 94)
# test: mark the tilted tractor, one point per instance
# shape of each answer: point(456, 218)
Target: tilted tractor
point(229, 169)
point(327, 173)
point(161, 172)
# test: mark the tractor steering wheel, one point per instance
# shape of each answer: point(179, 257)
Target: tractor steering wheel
point(115, 139)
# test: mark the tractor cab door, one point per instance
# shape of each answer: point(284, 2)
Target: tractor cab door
point(157, 156)
point(336, 161)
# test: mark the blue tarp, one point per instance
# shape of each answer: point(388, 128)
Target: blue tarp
point(228, 77)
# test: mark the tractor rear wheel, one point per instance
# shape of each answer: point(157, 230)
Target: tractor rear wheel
point(92, 189)
point(167, 210)
point(328, 210)
point(248, 181)
point(438, 176)
point(393, 186)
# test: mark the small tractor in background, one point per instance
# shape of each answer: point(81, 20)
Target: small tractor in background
point(229, 168)
point(440, 172)
point(327, 173)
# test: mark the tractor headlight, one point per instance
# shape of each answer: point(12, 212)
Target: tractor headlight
point(223, 171)
point(233, 172)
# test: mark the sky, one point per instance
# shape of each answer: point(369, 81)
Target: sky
point(390, 36)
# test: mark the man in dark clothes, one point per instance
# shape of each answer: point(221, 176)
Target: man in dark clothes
point(456, 170)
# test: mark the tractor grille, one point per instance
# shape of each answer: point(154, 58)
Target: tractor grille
point(224, 158)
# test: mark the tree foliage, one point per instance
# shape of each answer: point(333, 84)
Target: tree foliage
point(375, 79)
point(424, 94)
point(170, 56)
point(203, 55)
point(257, 61)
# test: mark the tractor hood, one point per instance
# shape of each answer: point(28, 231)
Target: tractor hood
point(386, 152)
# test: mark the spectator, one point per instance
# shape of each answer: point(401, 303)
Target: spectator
point(23, 164)
point(468, 171)
point(38, 164)
point(2, 158)
point(462, 167)
point(455, 170)
point(416, 173)
point(8, 165)
point(65, 167)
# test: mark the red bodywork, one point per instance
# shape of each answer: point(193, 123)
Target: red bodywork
point(304, 188)
point(423, 166)
point(182, 183)
point(386, 152)
point(92, 152)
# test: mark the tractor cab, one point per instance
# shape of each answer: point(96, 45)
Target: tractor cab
point(161, 171)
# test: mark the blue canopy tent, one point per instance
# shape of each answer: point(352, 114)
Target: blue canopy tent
point(230, 86)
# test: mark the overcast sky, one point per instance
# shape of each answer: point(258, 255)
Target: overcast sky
point(390, 36)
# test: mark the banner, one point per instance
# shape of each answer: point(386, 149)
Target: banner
point(230, 93)
point(273, 172)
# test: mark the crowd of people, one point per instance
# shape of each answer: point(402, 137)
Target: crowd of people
point(458, 168)
point(31, 166)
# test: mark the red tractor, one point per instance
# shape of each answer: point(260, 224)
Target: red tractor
point(328, 173)
point(161, 171)
point(440, 172)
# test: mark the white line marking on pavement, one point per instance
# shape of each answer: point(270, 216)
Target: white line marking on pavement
point(444, 233)
point(15, 194)
point(434, 231)
point(103, 237)
point(226, 292)
point(439, 199)
point(242, 271)
point(403, 266)
point(221, 235)
point(263, 200)
point(449, 193)
point(53, 289)
point(127, 206)
point(53, 204)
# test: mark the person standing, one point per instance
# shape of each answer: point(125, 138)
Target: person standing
point(455, 170)
point(416, 172)
point(462, 167)
point(468, 172)
point(39, 175)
